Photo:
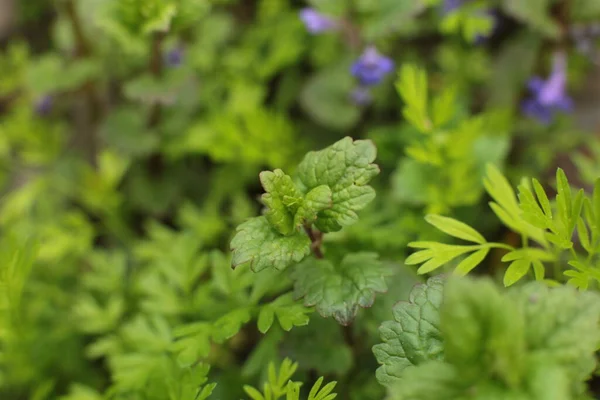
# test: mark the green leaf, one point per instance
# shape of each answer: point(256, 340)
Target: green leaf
point(483, 333)
point(340, 289)
point(319, 346)
point(230, 324)
point(435, 255)
point(455, 228)
point(315, 201)
point(471, 262)
point(346, 167)
point(413, 337)
point(281, 198)
point(585, 10)
point(444, 107)
point(324, 393)
point(289, 314)
point(412, 86)
point(258, 243)
point(326, 98)
point(534, 13)
point(433, 380)
point(516, 270)
point(543, 198)
point(562, 326)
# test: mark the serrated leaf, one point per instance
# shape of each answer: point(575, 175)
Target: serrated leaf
point(258, 243)
point(455, 228)
point(281, 198)
point(338, 290)
point(483, 332)
point(413, 337)
point(315, 201)
point(562, 325)
point(346, 167)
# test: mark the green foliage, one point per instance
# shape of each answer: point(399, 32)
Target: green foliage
point(550, 224)
point(279, 384)
point(339, 290)
point(413, 337)
point(497, 345)
point(132, 133)
point(438, 173)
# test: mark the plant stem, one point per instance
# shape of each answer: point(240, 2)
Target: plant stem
point(93, 106)
point(316, 240)
point(156, 69)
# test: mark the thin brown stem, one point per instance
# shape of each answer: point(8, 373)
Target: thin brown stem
point(316, 240)
point(92, 112)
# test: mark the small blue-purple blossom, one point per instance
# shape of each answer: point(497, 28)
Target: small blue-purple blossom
point(361, 96)
point(451, 5)
point(549, 96)
point(371, 67)
point(316, 22)
point(174, 57)
point(43, 105)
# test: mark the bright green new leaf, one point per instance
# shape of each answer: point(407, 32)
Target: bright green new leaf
point(455, 228)
point(338, 290)
point(281, 198)
point(412, 86)
point(258, 243)
point(434, 254)
point(413, 337)
point(470, 262)
point(346, 167)
point(516, 270)
point(315, 201)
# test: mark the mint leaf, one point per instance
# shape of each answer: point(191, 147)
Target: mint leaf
point(258, 243)
point(433, 380)
point(318, 199)
point(282, 199)
point(483, 332)
point(346, 167)
point(562, 326)
point(413, 337)
point(339, 289)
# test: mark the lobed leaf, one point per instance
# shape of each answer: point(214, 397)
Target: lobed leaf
point(256, 242)
point(338, 290)
point(346, 168)
point(414, 336)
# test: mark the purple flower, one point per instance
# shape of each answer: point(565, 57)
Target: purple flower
point(361, 96)
point(371, 67)
point(316, 22)
point(174, 57)
point(549, 96)
point(451, 5)
point(43, 105)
